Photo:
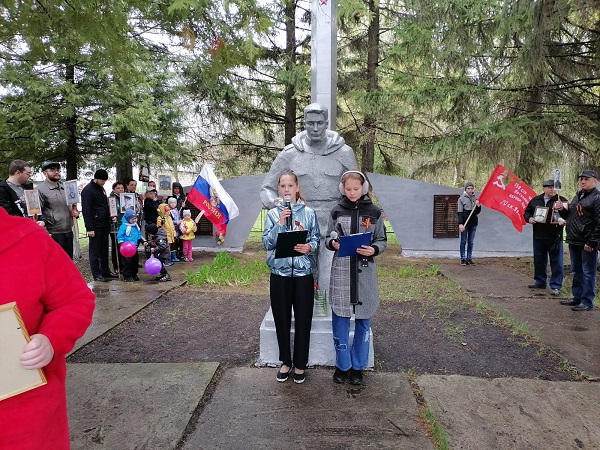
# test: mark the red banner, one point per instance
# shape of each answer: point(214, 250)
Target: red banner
point(506, 193)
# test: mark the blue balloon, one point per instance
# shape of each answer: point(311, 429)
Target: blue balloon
point(153, 266)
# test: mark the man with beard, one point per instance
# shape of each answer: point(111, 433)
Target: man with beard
point(56, 214)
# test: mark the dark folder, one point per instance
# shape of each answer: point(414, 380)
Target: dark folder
point(287, 241)
point(351, 242)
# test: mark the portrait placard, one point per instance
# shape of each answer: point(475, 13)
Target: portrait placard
point(71, 192)
point(112, 206)
point(128, 201)
point(164, 184)
point(32, 200)
point(541, 214)
point(14, 379)
point(557, 176)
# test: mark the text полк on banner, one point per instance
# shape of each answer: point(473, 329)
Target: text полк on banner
point(506, 193)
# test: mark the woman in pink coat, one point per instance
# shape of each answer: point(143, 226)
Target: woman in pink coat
point(56, 306)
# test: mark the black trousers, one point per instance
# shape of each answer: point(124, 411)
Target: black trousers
point(98, 252)
point(65, 240)
point(130, 266)
point(296, 293)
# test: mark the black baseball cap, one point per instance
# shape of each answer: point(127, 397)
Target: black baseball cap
point(588, 174)
point(50, 165)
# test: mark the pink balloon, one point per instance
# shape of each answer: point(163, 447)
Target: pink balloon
point(128, 249)
point(153, 266)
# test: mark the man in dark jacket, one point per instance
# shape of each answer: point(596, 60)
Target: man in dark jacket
point(583, 237)
point(96, 215)
point(468, 208)
point(547, 237)
point(12, 192)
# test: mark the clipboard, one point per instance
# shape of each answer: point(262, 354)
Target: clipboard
point(286, 242)
point(14, 379)
point(351, 242)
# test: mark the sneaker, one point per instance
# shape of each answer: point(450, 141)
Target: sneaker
point(299, 378)
point(536, 286)
point(169, 263)
point(463, 262)
point(470, 262)
point(128, 279)
point(190, 259)
point(165, 278)
point(340, 376)
point(283, 376)
point(554, 292)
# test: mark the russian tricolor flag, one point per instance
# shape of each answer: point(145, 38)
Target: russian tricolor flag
point(208, 195)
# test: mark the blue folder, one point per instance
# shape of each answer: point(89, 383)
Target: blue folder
point(351, 242)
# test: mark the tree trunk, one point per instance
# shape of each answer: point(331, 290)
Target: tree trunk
point(72, 151)
point(370, 121)
point(290, 90)
point(124, 166)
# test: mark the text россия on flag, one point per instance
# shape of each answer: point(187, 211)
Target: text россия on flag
point(208, 195)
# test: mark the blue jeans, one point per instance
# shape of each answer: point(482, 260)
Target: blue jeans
point(583, 268)
point(467, 238)
point(355, 356)
point(542, 248)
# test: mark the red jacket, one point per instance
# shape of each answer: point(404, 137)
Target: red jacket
point(54, 300)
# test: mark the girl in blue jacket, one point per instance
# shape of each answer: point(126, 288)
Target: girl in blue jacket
point(292, 282)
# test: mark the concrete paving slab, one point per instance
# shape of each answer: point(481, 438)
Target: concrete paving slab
point(133, 406)
point(573, 335)
point(251, 410)
point(514, 414)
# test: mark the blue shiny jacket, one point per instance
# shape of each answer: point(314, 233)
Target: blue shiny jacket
point(303, 218)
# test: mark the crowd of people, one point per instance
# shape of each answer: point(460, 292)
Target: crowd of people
point(103, 223)
point(58, 309)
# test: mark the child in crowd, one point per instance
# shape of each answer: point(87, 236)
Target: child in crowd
point(292, 281)
point(130, 232)
point(159, 246)
point(187, 227)
point(353, 288)
point(166, 222)
point(176, 218)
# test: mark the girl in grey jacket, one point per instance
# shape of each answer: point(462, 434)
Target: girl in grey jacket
point(292, 282)
point(353, 287)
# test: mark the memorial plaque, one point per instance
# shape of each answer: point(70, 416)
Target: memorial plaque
point(445, 224)
point(205, 226)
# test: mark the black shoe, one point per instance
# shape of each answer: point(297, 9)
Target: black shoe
point(299, 378)
point(282, 376)
point(128, 279)
point(340, 376)
point(463, 262)
point(569, 302)
point(110, 275)
point(101, 278)
point(582, 308)
point(136, 278)
point(356, 376)
point(470, 262)
point(536, 286)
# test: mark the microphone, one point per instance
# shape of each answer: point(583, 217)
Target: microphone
point(288, 219)
point(333, 235)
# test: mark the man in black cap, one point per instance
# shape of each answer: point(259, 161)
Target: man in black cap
point(547, 237)
point(56, 214)
point(96, 215)
point(583, 237)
